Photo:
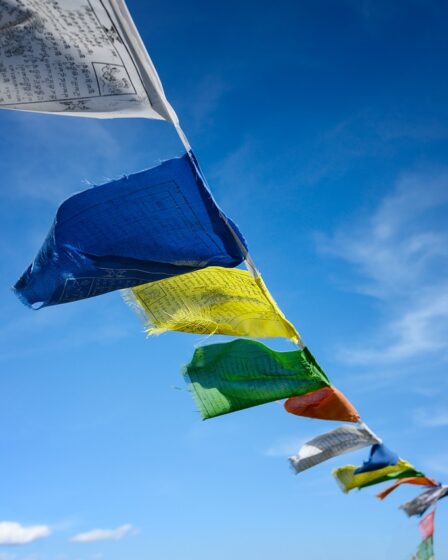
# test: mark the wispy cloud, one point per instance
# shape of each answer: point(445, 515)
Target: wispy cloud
point(434, 418)
point(104, 534)
point(7, 556)
point(438, 464)
point(285, 447)
point(12, 533)
point(400, 253)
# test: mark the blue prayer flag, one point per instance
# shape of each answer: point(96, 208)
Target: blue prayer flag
point(143, 227)
point(380, 457)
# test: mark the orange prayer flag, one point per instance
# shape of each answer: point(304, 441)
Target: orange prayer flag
point(327, 403)
point(418, 480)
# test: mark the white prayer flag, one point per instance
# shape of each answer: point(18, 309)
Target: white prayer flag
point(77, 57)
point(425, 500)
point(342, 440)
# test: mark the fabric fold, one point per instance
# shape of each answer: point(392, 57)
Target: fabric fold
point(348, 480)
point(380, 457)
point(215, 300)
point(232, 376)
point(327, 403)
point(155, 224)
point(417, 480)
point(344, 439)
point(424, 501)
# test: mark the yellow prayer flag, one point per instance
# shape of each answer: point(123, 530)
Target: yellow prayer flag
point(348, 480)
point(214, 300)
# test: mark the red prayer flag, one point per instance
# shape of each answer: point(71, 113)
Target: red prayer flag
point(426, 525)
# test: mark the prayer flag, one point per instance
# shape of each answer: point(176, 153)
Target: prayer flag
point(417, 480)
point(425, 550)
point(348, 480)
point(235, 375)
point(327, 403)
point(212, 301)
point(424, 501)
point(380, 457)
point(342, 440)
point(77, 57)
point(426, 525)
point(143, 227)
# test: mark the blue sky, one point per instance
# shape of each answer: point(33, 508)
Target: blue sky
point(322, 129)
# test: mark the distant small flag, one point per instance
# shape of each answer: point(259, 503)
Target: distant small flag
point(416, 480)
point(426, 525)
point(243, 373)
point(347, 478)
point(425, 550)
point(344, 439)
point(424, 501)
point(215, 300)
point(327, 403)
point(380, 457)
point(143, 227)
point(77, 57)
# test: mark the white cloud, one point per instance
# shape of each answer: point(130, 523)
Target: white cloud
point(438, 464)
point(435, 418)
point(285, 447)
point(400, 253)
point(103, 534)
point(15, 534)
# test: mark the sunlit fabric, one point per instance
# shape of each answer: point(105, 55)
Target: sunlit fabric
point(348, 480)
point(380, 457)
point(327, 403)
point(417, 480)
point(212, 301)
point(344, 439)
point(140, 228)
point(243, 373)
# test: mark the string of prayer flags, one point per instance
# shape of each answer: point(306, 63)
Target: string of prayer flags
point(143, 227)
point(425, 550)
point(327, 403)
point(343, 439)
point(426, 525)
point(348, 480)
point(418, 481)
point(77, 57)
point(232, 376)
point(212, 301)
point(424, 501)
point(380, 457)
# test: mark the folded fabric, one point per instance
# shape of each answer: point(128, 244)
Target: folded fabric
point(417, 480)
point(327, 403)
point(331, 444)
point(143, 227)
point(426, 525)
point(232, 376)
point(380, 457)
point(425, 550)
point(348, 480)
point(424, 501)
point(212, 301)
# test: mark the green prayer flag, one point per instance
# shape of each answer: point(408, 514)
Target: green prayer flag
point(425, 550)
point(235, 375)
